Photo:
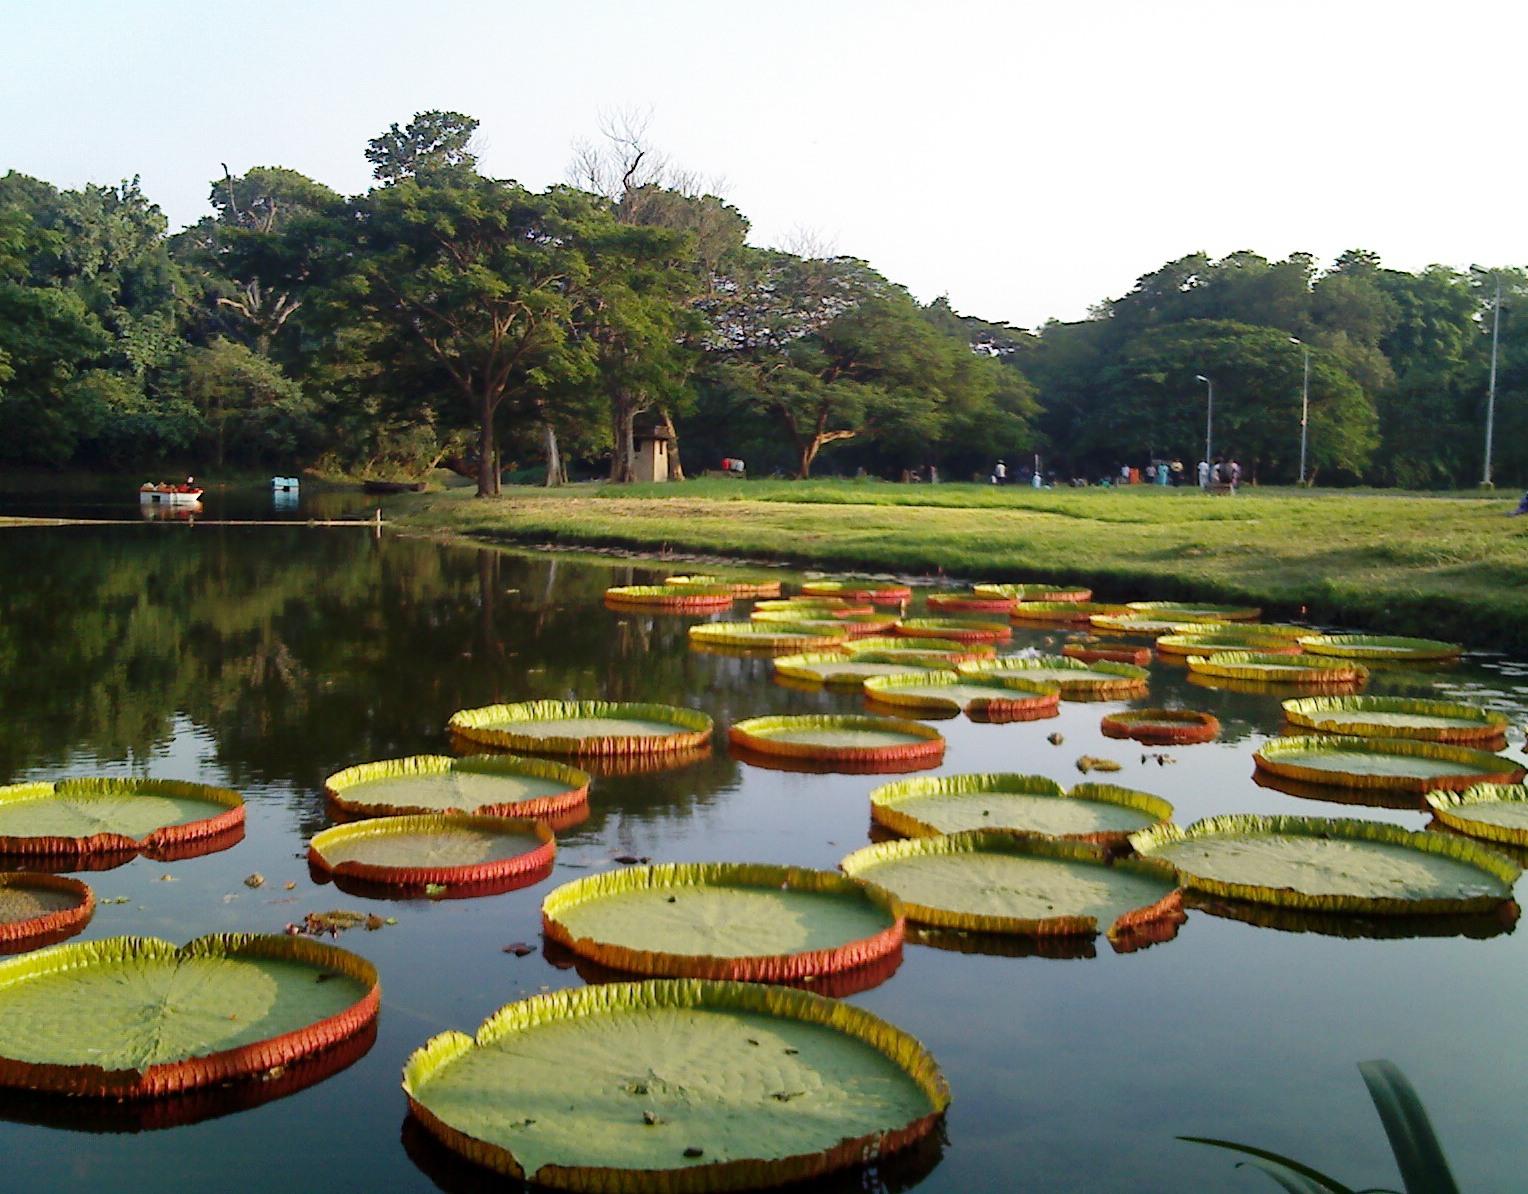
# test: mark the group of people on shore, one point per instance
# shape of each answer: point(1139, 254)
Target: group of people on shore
point(1211, 474)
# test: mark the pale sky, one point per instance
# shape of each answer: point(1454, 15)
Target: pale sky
point(1027, 159)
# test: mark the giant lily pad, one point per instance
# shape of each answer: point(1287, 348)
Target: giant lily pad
point(992, 881)
point(1091, 650)
point(814, 607)
point(1220, 639)
point(677, 1085)
point(1063, 611)
point(128, 1017)
point(584, 727)
point(1078, 680)
point(766, 636)
point(918, 645)
point(840, 739)
point(1034, 591)
point(83, 817)
point(1097, 813)
point(490, 785)
point(1308, 670)
point(955, 603)
point(737, 587)
point(1188, 611)
point(879, 593)
point(37, 910)
point(851, 625)
point(840, 669)
point(1161, 727)
point(737, 921)
point(671, 597)
point(957, 630)
point(1326, 865)
point(1379, 647)
point(1396, 717)
point(992, 698)
point(451, 850)
point(1495, 812)
point(1144, 627)
point(1389, 764)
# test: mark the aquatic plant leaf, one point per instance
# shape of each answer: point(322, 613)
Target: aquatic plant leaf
point(89, 816)
point(498, 785)
point(1196, 612)
point(1379, 646)
point(584, 727)
point(1098, 813)
point(131, 1016)
point(675, 1085)
point(1383, 764)
point(1289, 1173)
point(1272, 668)
point(1494, 812)
point(740, 921)
point(447, 848)
point(39, 909)
point(1161, 727)
point(843, 738)
point(1396, 717)
point(1424, 1168)
point(993, 881)
point(1333, 865)
point(995, 696)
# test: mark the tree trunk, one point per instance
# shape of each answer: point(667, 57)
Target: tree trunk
point(487, 477)
point(554, 471)
point(622, 415)
point(808, 455)
point(676, 469)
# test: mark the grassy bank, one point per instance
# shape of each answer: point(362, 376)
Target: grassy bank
point(1405, 563)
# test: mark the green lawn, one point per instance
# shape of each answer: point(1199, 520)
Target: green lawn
point(1451, 565)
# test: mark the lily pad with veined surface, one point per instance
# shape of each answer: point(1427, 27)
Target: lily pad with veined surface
point(1396, 717)
point(675, 1085)
point(1389, 764)
point(1379, 647)
point(1493, 812)
point(903, 645)
point(104, 816)
point(1311, 671)
point(1221, 639)
point(737, 587)
point(993, 881)
point(958, 630)
point(1034, 591)
point(1099, 813)
point(840, 669)
point(1063, 611)
point(583, 727)
point(129, 1017)
point(492, 785)
point(1143, 626)
point(766, 636)
point(1333, 865)
point(736, 921)
point(671, 597)
point(879, 593)
point(1076, 678)
point(450, 849)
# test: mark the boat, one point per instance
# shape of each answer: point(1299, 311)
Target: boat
point(286, 484)
point(170, 495)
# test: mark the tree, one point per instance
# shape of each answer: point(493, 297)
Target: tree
point(471, 282)
point(248, 409)
point(430, 147)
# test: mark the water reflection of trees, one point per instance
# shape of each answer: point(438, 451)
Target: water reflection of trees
point(301, 651)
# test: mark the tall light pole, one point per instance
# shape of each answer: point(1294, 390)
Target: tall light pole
point(1209, 412)
point(1491, 390)
point(1304, 404)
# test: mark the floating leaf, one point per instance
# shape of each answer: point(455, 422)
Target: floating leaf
point(545, 1092)
point(1158, 727)
point(584, 727)
point(1380, 647)
point(840, 739)
point(1396, 717)
point(489, 785)
point(452, 849)
point(1383, 764)
point(106, 816)
point(38, 909)
point(1493, 812)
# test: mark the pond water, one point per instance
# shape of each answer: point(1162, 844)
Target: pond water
point(266, 658)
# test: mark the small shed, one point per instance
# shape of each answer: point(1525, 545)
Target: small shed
point(652, 447)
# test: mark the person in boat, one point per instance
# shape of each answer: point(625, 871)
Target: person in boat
point(188, 487)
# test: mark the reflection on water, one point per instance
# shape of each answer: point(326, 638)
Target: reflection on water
point(268, 658)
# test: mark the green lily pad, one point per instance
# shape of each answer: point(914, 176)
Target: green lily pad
point(766, 636)
point(1333, 865)
point(450, 849)
point(1076, 678)
point(86, 816)
point(499, 785)
point(1494, 812)
point(837, 668)
point(1379, 646)
point(39, 909)
point(675, 1085)
point(844, 738)
point(737, 921)
point(1099, 813)
point(992, 881)
point(1186, 611)
point(1396, 717)
point(133, 1016)
point(1034, 591)
point(583, 727)
point(995, 696)
point(960, 630)
point(1395, 764)
point(1266, 668)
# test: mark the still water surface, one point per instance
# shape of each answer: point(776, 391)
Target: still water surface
point(267, 658)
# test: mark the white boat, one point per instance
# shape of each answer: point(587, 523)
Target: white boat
point(285, 484)
point(169, 495)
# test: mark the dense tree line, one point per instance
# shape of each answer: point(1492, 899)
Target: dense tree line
point(446, 317)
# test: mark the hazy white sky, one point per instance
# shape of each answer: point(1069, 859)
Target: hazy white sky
point(1027, 159)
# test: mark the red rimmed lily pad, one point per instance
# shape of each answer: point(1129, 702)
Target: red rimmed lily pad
point(137, 1017)
point(454, 851)
point(680, 598)
point(40, 909)
point(1397, 717)
point(984, 698)
point(584, 727)
point(1384, 764)
point(488, 785)
point(1162, 727)
point(117, 818)
point(840, 739)
point(957, 603)
point(1491, 812)
point(1034, 591)
point(958, 630)
point(679, 1085)
point(874, 591)
point(745, 922)
point(1095, 652)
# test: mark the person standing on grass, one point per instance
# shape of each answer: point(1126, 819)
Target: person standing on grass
point(1000, 473)
point(1204, 474)
point(1233, 474)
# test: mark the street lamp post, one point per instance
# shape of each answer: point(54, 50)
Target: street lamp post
point(1485, 479)
point(1209, 412)
point(1304, 405)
